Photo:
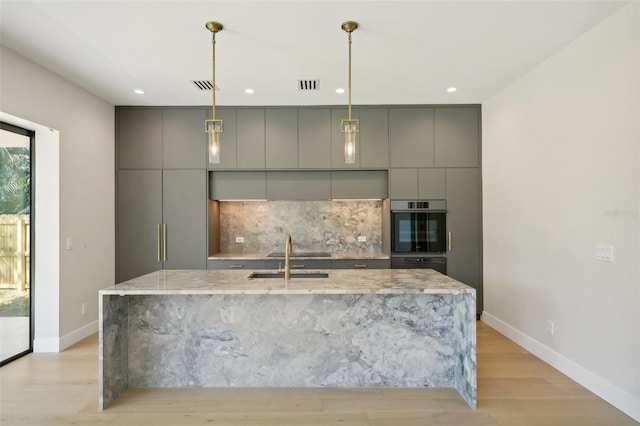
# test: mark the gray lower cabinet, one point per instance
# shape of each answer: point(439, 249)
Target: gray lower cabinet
point(281, 138)
point(300, 263)
point(161, 221)
point(457, 136)
point(237, 185)
point(299, 185)
point(249, 265)
point(314, 138)
point(360, 263)
point(464, 257)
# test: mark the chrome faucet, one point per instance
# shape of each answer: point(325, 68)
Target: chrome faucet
point(288, 249)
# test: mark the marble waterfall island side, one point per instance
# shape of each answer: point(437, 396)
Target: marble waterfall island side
point(357, 328)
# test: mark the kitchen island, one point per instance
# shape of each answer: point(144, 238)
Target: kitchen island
point(355, 328)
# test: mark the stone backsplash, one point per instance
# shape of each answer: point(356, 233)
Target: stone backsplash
point(326, 226)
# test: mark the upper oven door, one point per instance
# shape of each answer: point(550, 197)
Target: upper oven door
point(418, 232)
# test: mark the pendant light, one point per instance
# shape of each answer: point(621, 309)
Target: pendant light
point(350, 127)
point(214, 127)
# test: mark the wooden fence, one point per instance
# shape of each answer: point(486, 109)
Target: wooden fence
point(14, 251)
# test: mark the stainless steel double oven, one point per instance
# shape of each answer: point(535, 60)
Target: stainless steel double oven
point(419, 235)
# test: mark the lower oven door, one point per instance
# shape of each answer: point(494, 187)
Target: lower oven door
point(437, 263)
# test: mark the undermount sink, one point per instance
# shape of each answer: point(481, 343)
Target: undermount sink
point(301, 254)
point(293, 275)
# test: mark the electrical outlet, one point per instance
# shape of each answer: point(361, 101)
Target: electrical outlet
point(604, 253)
point(362, 239)
point(550, 327)
point(84, 308)
point(69, 243)
point(239, 239)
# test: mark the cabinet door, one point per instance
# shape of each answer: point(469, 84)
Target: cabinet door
point(300, 264)
point(374, 138)
point(464, 259)
point(139, 214)
point(314, 138)
point(184, 141)
point(431, 184)
point(403, 184)
point(235, 264)
point(359, 184)
point(281, 139)
point(139, 138)
point(228, 139)
point(299, 185)
point(237, 186)
point(337, 139)
point(457, 137)
point(184, 209)
point(251, 138)
point(360, 264)
point(411, 137)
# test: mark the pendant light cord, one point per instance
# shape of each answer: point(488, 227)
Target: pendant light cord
point(349, 75)
point(213, 73)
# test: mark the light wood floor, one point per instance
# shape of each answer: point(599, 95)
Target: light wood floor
point(515, 389)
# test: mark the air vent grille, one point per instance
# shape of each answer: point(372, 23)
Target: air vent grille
point(308, 84)
point(204, 84)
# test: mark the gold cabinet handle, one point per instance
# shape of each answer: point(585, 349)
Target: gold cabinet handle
point(236, 266)
point(297, 266)
point(449, 241)
point(158, 243)
point(164, 241)
point(360, 265)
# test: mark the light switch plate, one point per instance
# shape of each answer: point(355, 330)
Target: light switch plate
point(239, 239)
point(362, 239)
point(604, 253)
point(69, 243)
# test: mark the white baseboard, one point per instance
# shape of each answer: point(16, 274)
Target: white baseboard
point(622, 400)
point(59, 345)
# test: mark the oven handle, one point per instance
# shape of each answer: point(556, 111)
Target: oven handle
point(449, 240)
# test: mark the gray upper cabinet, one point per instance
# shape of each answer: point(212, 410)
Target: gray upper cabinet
point(457, 137)
point(251, 138)
point(337, 139)
point(299, 185)
point(228, 139)
point(139, 135)
point(403, 184)
point(464, 258)
point(237, 186)
point(184, 141)
point(374, 138)
point(431, 184)
point(359, 184)
point(184, 210)
point(281, 139)
point(314, 138)
point(411, 137)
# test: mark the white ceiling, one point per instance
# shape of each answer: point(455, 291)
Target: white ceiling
point(405, 52)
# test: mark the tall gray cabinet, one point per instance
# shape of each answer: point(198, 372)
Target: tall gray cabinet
point(161, 182)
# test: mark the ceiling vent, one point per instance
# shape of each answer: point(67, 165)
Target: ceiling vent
point(308, 84)
point(204, 84)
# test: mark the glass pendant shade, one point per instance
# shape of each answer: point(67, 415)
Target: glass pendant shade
point(213, 129)
point(350, 129)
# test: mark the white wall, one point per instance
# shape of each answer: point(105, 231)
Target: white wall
point(83, 162)
point(561, 161)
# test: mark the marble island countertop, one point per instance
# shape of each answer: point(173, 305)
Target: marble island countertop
point(344, 281)
point(299, 256)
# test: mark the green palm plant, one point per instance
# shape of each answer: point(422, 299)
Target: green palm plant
point(15, 180)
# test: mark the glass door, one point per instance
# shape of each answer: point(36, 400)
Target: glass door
point(15, 242)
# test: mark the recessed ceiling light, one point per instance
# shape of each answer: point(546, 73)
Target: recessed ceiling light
point(340, 90)
point(451, 89)
point(249, 91)
point(138, 92)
